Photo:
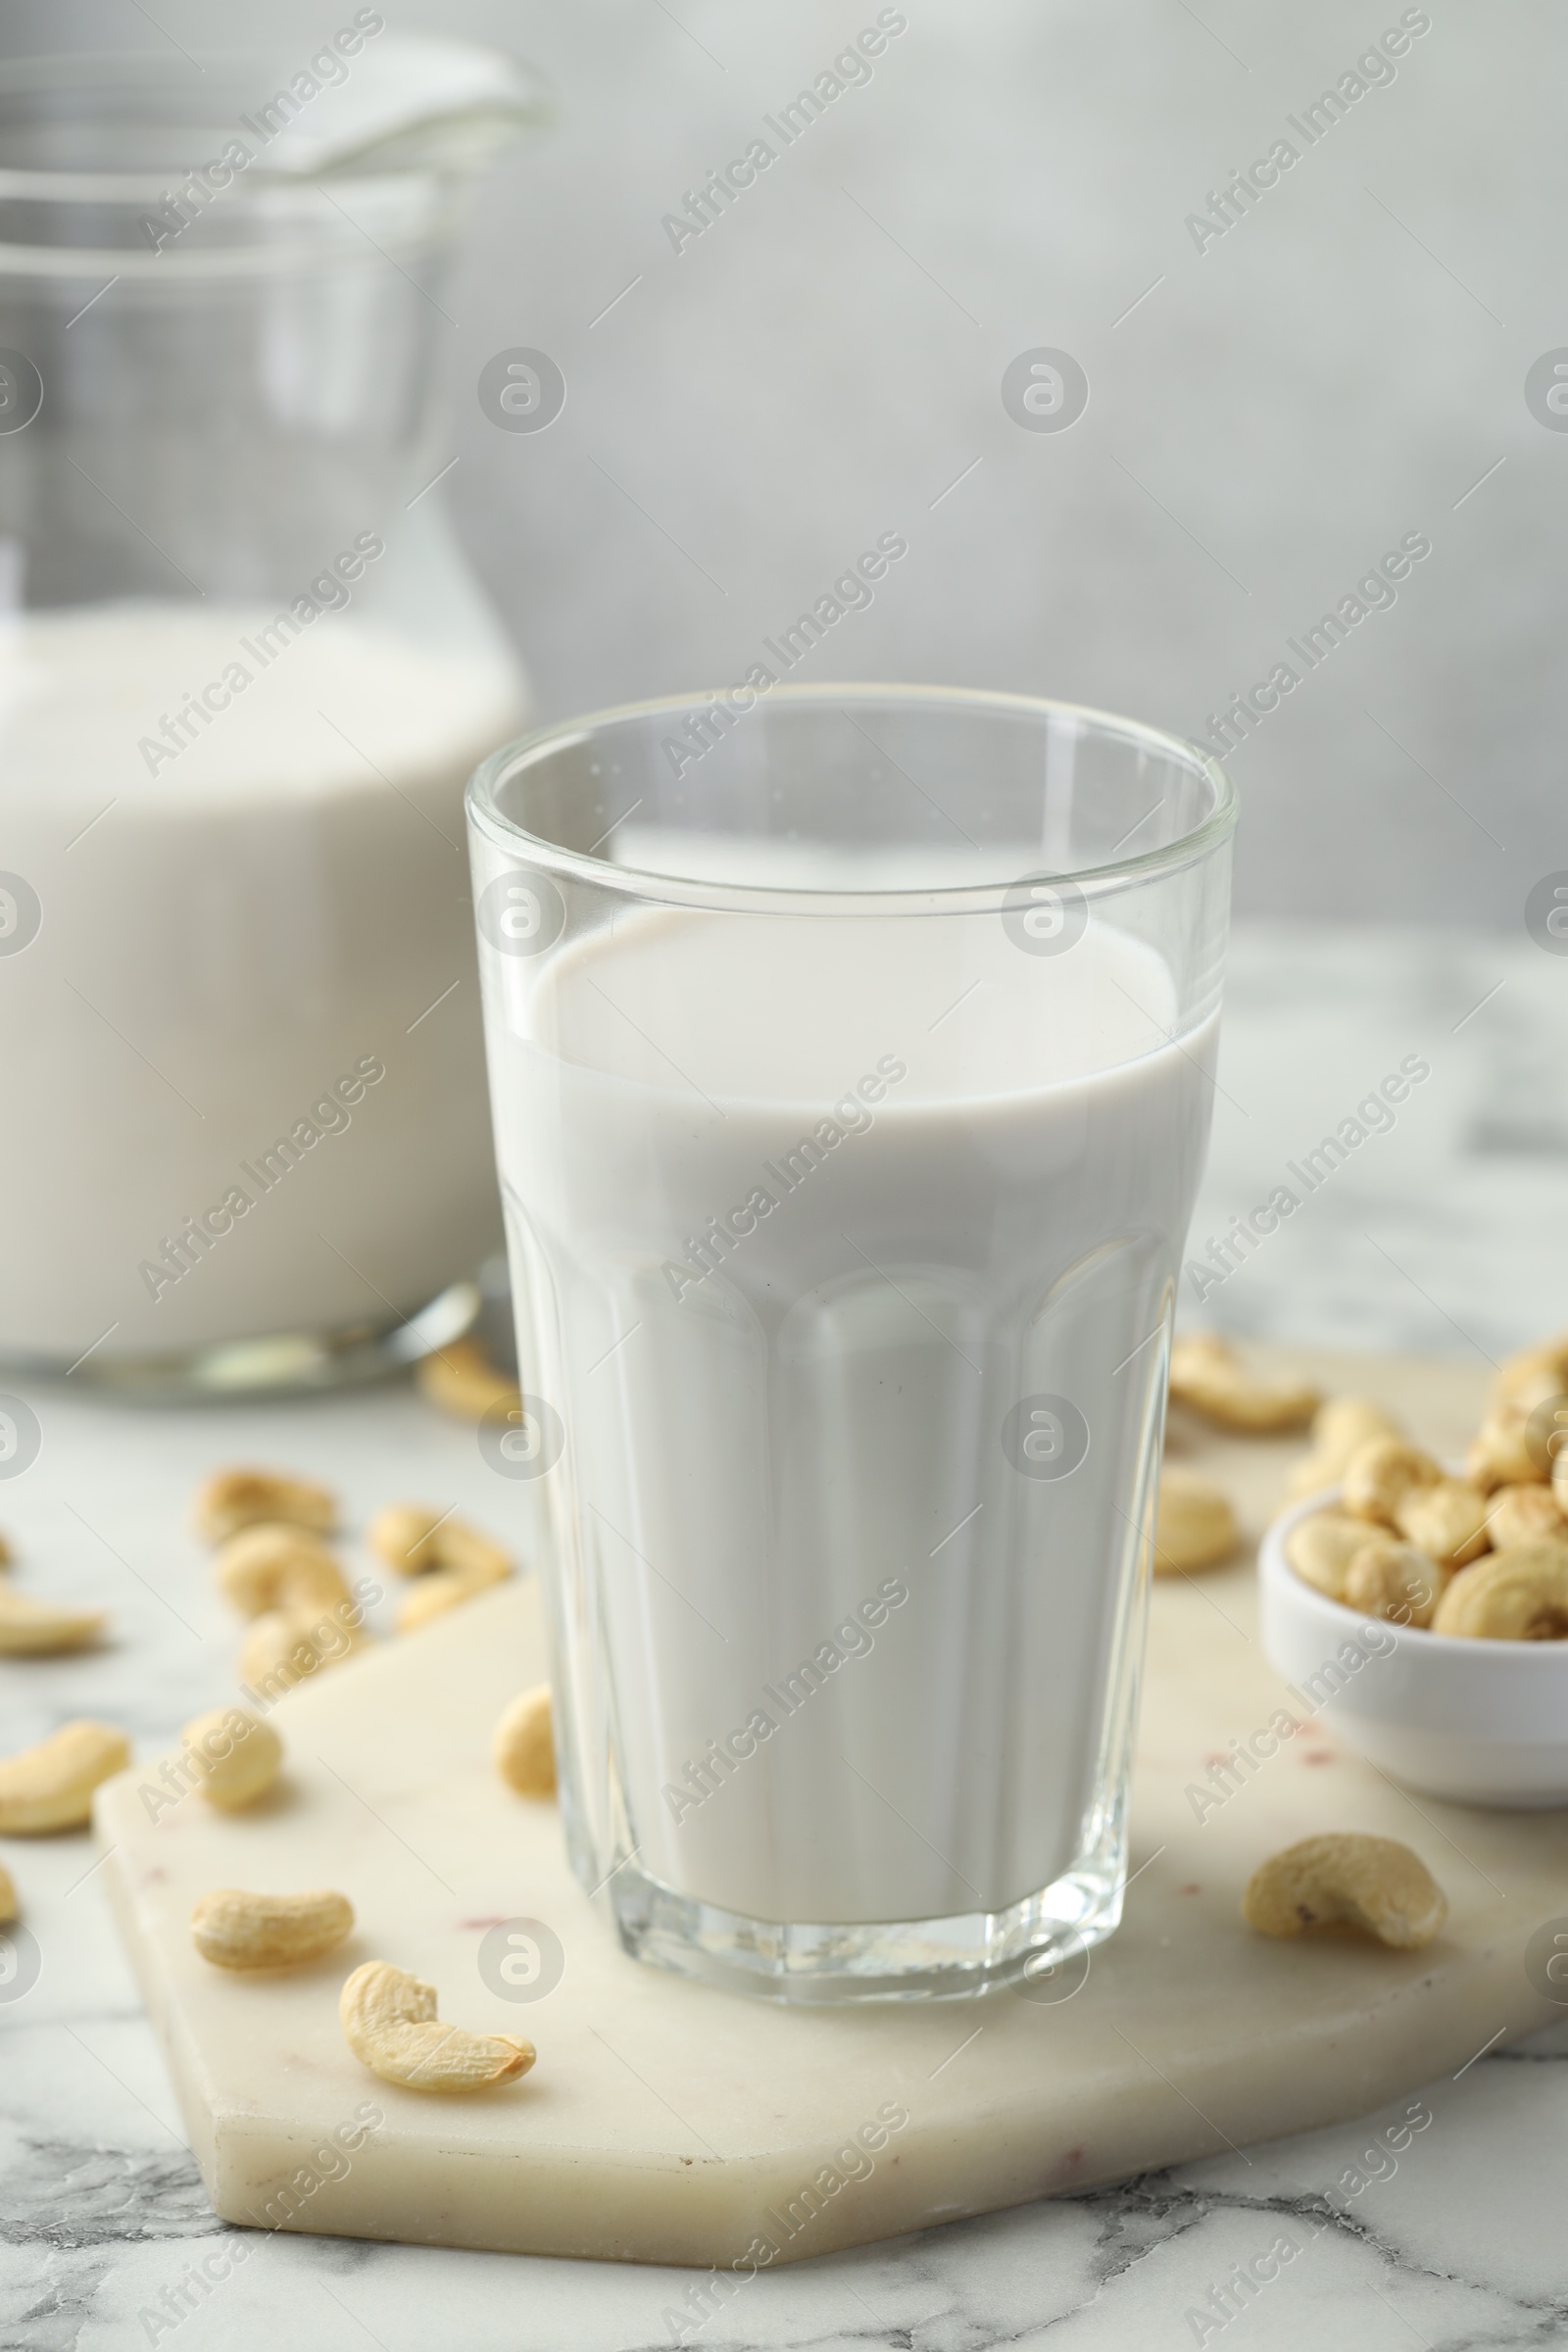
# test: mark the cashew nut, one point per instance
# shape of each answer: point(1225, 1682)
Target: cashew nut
point(9, 1905)
point(1517, 1595)
point(36, 1629)
point(461, 1379)
point(469, 1551)
point(234, 1755)
point(409, 1536)
point(1500, 1454)
point(236, 1930)
point(50, 1786)
point(442, 1589)
point(5, 1554)
point(274, 1566)
point(389, 2022)
point(1559, 1481)
point(282, 1646)
point(1321, 1548)
point(1525, 1515)
point(1208, 1374)
point(404, 1536)
point(1195, 1526)
point(524, 1746)
point(1447, 1521)
point(1533, 1375)
point(1390, 1578)
point(1374, 1884)
point(1341, 1426)
point(234, 1499)
point(1380, 1473)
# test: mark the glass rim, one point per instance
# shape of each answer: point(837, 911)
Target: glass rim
point(218, 73)
point(1093, 881)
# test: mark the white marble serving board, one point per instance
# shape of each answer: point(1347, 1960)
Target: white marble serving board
point(668, 2122)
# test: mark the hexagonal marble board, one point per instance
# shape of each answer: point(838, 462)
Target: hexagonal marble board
point(668, 2122)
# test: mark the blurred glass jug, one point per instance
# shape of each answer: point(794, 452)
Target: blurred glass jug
point(244, 674)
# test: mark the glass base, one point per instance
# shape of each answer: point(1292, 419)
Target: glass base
point(1037, 1946)
point(281, 1364)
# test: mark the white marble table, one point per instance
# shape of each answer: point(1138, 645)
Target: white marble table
point(1444, 1234)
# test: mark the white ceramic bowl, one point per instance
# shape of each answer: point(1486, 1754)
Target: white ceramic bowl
point(1484, 1723)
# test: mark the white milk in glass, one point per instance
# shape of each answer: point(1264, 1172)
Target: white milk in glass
point(812, 1213)
point(242, 1063)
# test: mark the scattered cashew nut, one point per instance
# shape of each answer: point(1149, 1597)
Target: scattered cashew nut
point(461, 1379)
point(442, 1589)
point(404, 1536)
point(1392, 1580)
point(1374, 1884)
point(1195, 1526)
point(236, 1930)
point(277, 1566)
point(1208, 1374)
point(37, 1629)
point(9, 1906)
point(284, 1646)
point(1379, 1474)
point(1517, 1595)
point(234, 1499)
point(50, 1786)
point(409, 1536)
point(389, 2022)
point(523, 1744)
point(235, 1756)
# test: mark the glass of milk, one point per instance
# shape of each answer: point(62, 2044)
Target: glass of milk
point(244, 677)
point(851, 1058)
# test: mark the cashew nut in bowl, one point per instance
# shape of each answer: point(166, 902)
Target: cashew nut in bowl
point(1341, 1426)
point(1522, 1514)
point(1374, 1884)
point(1501, 1453)
point(1446, 1520)
point(1533, 1375)
point(1379, 1475)
point(1394, 1580)
point(1321, 1548)
point(1517, 1595)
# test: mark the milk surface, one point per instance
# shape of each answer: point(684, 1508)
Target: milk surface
point(228, 935)
point(806, 1211)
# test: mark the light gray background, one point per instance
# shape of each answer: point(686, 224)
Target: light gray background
point(1339, 369)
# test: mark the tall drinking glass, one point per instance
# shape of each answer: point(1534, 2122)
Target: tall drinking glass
point(852, 1059)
